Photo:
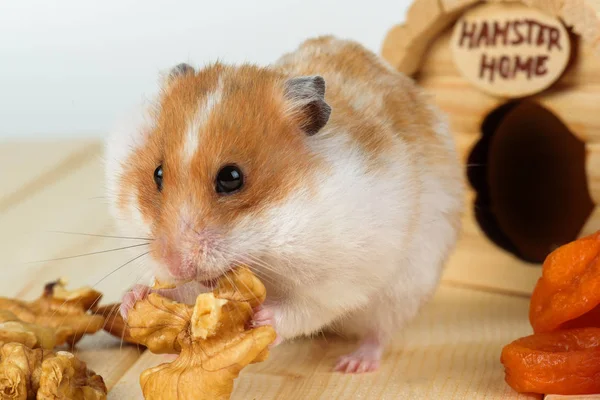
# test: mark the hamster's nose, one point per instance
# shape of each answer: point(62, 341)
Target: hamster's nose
point(178, 267)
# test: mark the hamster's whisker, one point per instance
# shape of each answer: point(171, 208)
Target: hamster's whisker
point(265, 276)
point(223, 273)
point(102, 236)
point(89, 322)
point(113, 313)
point(117, 310)
point(255, 260)
point(88, 254)
point(245, 286)
point(109, 274)
point(238, 259)
point(98, 299)
point(96, 284)
point(120, 267)
point(145, 274)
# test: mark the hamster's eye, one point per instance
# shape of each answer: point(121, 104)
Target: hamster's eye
point(229, 180)
point(158, 177)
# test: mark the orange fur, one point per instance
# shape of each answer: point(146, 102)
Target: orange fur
point(248, 127)
point(350, 221)
point(397, 107)
point(343, 63)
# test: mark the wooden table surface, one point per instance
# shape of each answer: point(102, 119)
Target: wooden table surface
point(451, 351)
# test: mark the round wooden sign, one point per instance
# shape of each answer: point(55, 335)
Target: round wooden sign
point(509, 49)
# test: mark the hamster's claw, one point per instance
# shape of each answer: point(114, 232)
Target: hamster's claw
point(364, 359)
point(137, 292)
point(352, 364)
point(264, 316)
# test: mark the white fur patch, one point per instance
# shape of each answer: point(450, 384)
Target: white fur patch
point(335, 243)
point(192, 138)
point(357, 250)
point(130, 134)
point(136, 224)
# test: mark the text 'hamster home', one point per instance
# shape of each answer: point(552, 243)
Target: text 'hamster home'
point(520, 82)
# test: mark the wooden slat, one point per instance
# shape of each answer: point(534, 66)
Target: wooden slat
point(451, 351)
point(479, 263)
point(28, 166)
point(71, 204)
point(66, 200)
point(106, 356)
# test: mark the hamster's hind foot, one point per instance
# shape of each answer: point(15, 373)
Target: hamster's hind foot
point(364, 359)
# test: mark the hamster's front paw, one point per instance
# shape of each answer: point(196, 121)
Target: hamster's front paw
point(263, 316)
point(137, 292)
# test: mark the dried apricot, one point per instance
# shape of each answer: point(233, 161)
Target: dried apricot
point(568, 293)
point(564, 362)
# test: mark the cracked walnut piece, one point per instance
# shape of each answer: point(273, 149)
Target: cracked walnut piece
point(211, 338)
point(12, 329)
point(27, 374)
point(64, 311)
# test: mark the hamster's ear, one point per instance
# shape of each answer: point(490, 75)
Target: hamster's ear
point(306, 96)
point(180, 70)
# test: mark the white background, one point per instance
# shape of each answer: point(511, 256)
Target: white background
point(73, 67)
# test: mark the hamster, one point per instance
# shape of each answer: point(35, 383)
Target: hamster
point(329, 173)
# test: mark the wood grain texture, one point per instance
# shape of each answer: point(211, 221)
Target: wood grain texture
point(584, 17)
point(573, 98)
point(491, 62)
point(405, 44)
point(477, 261)
point(405, 48)
point(76, 206)
point(28, 167)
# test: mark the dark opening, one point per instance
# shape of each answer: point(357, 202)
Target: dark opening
point(528, 170)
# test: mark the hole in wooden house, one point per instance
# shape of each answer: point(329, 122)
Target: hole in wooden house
point(528, 170)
